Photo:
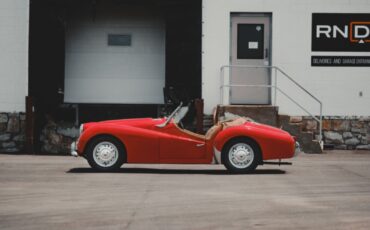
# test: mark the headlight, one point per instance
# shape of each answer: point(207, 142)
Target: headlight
point(81, 128)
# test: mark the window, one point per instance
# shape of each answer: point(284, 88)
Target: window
point(250, 41)
point(119, 39)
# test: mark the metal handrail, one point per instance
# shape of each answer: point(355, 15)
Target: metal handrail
point(276, 88)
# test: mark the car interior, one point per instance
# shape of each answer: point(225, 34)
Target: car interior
point(180, 113)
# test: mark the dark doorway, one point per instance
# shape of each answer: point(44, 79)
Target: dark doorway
point(183, 47)
point(46, 63)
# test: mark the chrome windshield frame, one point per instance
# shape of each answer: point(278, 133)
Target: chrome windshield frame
point(169, 118)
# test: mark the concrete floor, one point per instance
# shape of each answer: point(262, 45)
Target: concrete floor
point(328, 191)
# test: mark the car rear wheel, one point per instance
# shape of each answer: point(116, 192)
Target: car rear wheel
point(105, 153)
point(241, 155)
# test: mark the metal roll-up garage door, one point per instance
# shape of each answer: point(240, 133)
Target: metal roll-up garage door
point(115, 56)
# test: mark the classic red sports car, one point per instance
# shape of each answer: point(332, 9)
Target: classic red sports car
point(240, 144)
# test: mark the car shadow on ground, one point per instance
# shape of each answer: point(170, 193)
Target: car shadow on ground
point(175, 171)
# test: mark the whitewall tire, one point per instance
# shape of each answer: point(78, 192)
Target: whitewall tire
point(241, 155)
point(105, 153)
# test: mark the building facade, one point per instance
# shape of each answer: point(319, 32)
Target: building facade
point(341, 89)
point(88, 60)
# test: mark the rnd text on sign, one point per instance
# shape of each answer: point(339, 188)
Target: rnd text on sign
point(339, 32)
point(356, 31)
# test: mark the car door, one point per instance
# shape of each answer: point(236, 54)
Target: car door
point(142, 145)
point(181, 146)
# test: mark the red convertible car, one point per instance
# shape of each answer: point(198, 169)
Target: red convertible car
point(240, 144)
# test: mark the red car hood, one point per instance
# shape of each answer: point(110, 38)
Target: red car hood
point(145, 123)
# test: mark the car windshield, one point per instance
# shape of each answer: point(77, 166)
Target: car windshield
point(177, 115)
point(180, 114)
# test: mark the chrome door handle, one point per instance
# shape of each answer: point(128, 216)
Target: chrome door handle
point(200, 145)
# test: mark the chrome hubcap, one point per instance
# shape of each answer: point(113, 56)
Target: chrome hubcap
point(241, 155)
point(105, 154)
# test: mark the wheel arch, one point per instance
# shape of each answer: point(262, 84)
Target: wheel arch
point(241, 137)
point(101, 135)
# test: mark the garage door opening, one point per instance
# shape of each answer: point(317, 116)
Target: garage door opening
point(94, 60)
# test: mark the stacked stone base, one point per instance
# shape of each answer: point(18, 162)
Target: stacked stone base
point(347, 132)
point(56, 137)
point(340, 132)
point(303, 130)
point(12, 132)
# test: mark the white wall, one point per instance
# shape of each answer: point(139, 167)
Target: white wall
point(14, 19)
point(98, 73)
point(337, 87)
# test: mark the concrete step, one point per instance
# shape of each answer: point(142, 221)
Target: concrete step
point(283, 120)
point(305, 138)
point(292, 128)
point(313, 147)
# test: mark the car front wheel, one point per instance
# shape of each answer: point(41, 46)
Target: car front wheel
point(241, 155)
point(105, 153)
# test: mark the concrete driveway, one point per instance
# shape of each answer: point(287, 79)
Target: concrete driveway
point(328, 191)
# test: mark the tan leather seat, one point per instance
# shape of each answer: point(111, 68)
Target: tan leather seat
point(209, 135)
point(235, 122)
point(213, 131)
point(189, 132)
point(224, 125)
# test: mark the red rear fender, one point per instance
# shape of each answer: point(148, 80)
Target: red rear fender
point(274, 144)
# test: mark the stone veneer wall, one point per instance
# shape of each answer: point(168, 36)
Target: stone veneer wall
point(340, 132)
point(56, 137)
point(12, 132)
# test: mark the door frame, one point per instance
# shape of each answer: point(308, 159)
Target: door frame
point(253, 14)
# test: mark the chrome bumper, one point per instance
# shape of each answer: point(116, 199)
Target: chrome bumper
point(216, 156)
point(297, 148)
point(74, 149)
